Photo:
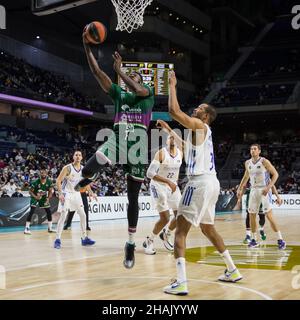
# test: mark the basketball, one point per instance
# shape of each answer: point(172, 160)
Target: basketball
point(95, 32)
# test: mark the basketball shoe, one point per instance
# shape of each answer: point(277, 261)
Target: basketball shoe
point(148, 245)
point(233, 276)
point(165, 237)
point(177, 288)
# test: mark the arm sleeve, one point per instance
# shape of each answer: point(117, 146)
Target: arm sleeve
point(153, 169)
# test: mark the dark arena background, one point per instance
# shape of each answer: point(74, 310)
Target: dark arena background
point(242, 57)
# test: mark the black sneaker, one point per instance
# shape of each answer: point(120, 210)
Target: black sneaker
point(66, 227)
point(85, 182)
point(129, 255)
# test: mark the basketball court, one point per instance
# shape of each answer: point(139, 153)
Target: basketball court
point(35, 270)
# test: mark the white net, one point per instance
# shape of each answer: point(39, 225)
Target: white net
point(130, 13)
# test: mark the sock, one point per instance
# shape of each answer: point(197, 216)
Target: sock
point(279, 235)
point(253, 236)
point(27, 224)
point(131, 234)
point(228, 261)
point(261, 228)
point(152, 236)
point(168, 231)
point(248, 232)
point(180, 267)
point(50, 225)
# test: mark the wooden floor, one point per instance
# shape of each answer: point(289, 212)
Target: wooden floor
point(34, 270)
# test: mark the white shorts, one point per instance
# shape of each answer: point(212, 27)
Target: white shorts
point(162, 197)
point(73, 202)
point(199, 198)
point(256, 198)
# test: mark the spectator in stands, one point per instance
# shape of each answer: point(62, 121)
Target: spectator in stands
point(17, 194)
point(10, 187)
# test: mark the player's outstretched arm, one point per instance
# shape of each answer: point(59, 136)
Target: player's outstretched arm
point(180, 143)
point(136, 87)
point(241, 189)
point(271, 169)
point(174, 108)
point(102, 78)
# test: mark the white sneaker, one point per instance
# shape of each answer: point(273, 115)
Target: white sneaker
point(177, 288)
point(233, 276)
point(148, 245)
point(165, 237)
point(27, 231)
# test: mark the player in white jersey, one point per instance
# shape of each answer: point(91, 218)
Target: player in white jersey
point(259, 169)
point(69, 199)
point(198, 201)
point(165, 194)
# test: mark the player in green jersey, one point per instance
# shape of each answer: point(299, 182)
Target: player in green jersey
point(41, 191)
point(133, 110)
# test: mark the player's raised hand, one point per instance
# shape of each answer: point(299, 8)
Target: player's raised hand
point(172, 78)
point(161, 124)
point(117, 61)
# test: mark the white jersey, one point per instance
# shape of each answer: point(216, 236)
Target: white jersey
point(72, 179)
point(170, 167)
point(200, 159)
point(259, 175)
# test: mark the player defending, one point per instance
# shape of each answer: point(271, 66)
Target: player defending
point(164, 172)
point(259, 169)
point(70, 199)
point(132, 114)
point(40, 192)
point(197, 204)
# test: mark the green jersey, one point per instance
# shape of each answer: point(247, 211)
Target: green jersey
point(132, 112)
point(37, 187)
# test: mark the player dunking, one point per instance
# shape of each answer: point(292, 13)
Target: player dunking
point(132, 114)
point(259, 169)
point(40, 192)
point(70, 199)
point(198, 202)
point(164, 172)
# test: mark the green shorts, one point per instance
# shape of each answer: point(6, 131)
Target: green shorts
point(133, 155)
point(42, 203)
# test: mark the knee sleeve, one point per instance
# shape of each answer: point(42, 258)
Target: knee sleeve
point(49, 215)
point(133, 189)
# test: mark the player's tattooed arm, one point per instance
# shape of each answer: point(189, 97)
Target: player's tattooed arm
point(136, 87)
point(102, 78)
point(174, 108)
point(241, 189)
point(271, 169)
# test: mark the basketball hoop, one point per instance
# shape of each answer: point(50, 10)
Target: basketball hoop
point(130, 13)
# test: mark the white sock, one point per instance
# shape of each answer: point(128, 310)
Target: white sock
point(279, 236)
point(180, 267)
point(27, 224)
point(50, 225)
point(131, 237)
point(253, 235)
point(261, 228)
point(248, 233)
point(152, 236)
point(228, 261)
